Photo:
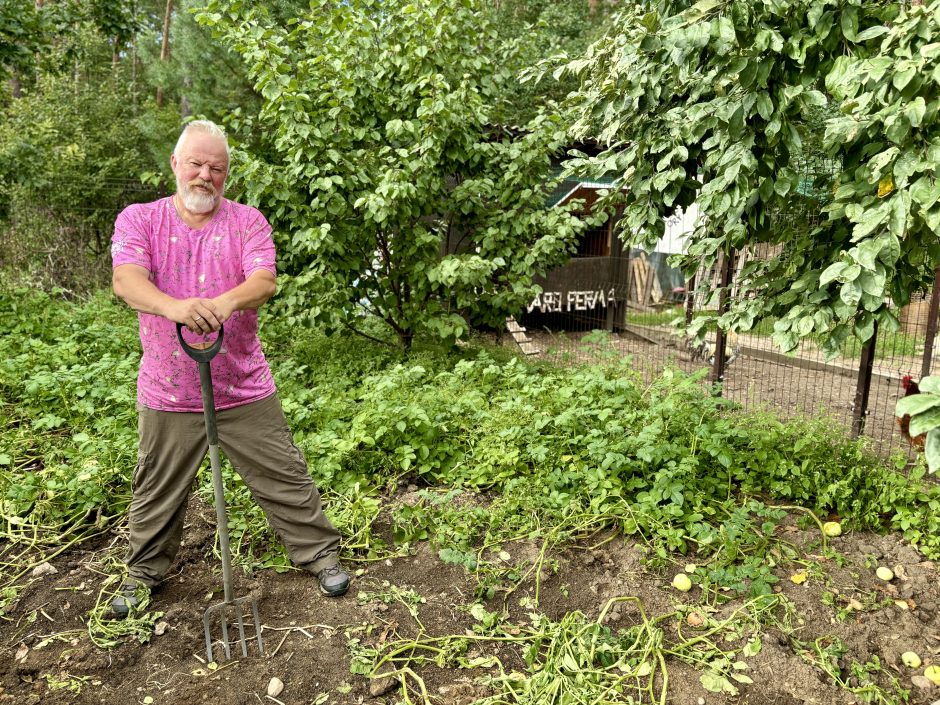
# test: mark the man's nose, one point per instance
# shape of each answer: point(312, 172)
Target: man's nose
point(205, 172)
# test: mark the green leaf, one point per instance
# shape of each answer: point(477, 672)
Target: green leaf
point(917, 404)
point(867, 252)
point(915, 111)
point(897, 221)
point(932, 450)
point(851, 293)
point(871, 33)
point(849, 23)
point(925, 421)
point(930, 384)
point(831, 273)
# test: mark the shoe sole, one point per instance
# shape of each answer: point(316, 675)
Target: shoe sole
point(335, 593)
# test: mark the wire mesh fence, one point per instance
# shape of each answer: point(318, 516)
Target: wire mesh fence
point(596, 308)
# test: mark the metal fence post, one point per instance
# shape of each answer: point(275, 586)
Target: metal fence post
point(863, 388)
point(727, 268)
point(931, 334)
point(689, 300)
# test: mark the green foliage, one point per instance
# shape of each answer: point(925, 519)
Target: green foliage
point(501, 450)
point(21, 36)
point(71, 151)
point(718, 102)
point(68, 445)
point(531, 30)
point(389, 189)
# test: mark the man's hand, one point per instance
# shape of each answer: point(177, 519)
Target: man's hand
point(198, 315)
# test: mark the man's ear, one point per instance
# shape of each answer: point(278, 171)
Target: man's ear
point(173, 162)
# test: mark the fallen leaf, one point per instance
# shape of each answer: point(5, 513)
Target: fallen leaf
point(798, 578)
point(21, 653)
point(160, 628)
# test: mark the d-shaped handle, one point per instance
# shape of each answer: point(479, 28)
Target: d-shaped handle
point(200, 354)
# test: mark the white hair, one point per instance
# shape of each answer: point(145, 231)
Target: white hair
point(205, 126)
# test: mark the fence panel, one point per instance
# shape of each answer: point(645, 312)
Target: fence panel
point(592, 316)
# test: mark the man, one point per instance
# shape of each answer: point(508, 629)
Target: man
point(202, 260)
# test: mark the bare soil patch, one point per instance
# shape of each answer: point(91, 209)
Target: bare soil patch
point(46, 655)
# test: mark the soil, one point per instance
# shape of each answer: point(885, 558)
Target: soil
point(306, 635)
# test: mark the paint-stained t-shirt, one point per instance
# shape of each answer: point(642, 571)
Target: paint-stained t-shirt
point(204, 263)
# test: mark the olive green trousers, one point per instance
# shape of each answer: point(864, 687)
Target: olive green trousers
point(258, 443)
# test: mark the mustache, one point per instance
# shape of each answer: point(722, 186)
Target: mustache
point(205, 184)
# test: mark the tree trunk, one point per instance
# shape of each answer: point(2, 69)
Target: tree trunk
point(184, 101)
point(165, 46)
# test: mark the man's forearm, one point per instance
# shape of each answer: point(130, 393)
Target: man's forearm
point(251, 293)
point(132, 283)
point(141, 294)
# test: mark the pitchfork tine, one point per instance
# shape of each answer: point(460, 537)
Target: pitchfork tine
point(241, 631)
point(228, 651)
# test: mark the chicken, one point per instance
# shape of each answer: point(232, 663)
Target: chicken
point(705, 351)
point(904, 422)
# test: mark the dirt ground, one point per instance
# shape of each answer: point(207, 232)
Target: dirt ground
point(46, 656)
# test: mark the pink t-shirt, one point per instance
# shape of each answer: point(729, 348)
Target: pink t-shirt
point(185, 263)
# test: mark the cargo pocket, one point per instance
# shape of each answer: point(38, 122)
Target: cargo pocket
point(140, 471)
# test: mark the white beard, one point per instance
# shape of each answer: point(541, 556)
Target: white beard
point(196, 201)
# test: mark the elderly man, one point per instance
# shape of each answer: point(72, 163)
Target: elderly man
point(202, 260)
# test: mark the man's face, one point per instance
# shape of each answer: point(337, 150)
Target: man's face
point(200, 170)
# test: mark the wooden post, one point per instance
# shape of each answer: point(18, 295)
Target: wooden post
point(931, 334)
point(689, 300)
point(727, 267)
point(863, 388)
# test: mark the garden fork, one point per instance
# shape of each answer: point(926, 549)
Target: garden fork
point(203, 355)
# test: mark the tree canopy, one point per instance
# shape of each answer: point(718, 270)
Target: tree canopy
point(391, 189)
point(757, 110)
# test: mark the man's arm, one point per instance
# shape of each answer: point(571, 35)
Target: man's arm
point(132, 283)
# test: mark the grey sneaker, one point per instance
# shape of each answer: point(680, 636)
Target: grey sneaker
point(127, 598)
point(334, 581)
